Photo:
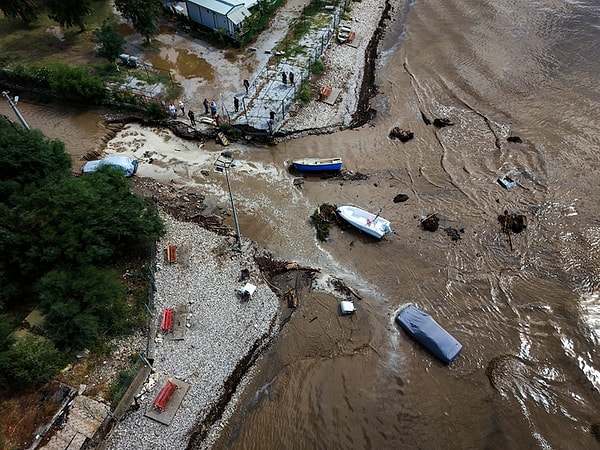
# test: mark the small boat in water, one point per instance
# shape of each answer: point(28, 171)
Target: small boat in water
point(423, 328)
point(373, 224)
point(317, 164)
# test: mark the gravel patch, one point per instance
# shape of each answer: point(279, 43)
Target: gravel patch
point(220, 330)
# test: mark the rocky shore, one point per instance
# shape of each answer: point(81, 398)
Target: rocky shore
point(222, 335)
point(218, 330)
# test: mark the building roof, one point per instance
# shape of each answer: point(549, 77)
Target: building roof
point(224, 7)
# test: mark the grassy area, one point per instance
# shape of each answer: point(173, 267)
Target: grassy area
point(44, 41)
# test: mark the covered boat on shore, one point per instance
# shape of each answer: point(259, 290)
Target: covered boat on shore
point(317, 164)
point(424, 329)
point(125, 163)
point(373, 224)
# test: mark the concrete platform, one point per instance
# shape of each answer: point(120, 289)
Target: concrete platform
point(331, 98)
point(166, 417)
point(179, 324)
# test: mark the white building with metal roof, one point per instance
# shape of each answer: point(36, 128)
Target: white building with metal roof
point(219, 14)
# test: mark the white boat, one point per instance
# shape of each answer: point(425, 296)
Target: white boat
point(373, 224)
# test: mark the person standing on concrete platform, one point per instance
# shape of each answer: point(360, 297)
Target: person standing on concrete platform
point(291, 77)
point(284, 78)
point(192, 117)
point(236, 104)
point(246, 85)
point(182, 107)
point(205, 103)
point(213, 109)
point(172, 110)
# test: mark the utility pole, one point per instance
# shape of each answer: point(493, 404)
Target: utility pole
point(13, 105)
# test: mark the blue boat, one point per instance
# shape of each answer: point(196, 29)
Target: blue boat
point(318, 164)
point(423, 328)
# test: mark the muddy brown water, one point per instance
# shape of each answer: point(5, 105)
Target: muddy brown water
point(526, 310)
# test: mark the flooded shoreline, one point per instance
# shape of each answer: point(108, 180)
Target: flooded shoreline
point(526, 313)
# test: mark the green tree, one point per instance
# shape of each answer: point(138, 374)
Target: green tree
point(143, 15)
point(69, 13)
point(81, 221)
point(111, 45)
point(28, 158)
point(76, 83)
point(27, 10)
point(79, 304)
point(34, 359)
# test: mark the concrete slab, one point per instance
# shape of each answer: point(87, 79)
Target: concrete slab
point(179, 324)
point(331, 98)
point(166, 417)
point(354, 43)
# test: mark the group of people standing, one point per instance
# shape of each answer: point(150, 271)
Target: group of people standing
point(210, 107)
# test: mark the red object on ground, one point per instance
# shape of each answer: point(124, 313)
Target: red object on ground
point(167, 319)
point(165, 395)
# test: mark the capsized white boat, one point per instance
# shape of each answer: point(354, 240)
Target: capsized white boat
point(373, 224)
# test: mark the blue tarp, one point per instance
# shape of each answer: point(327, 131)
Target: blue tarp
point(429, 333)
point(125, 163)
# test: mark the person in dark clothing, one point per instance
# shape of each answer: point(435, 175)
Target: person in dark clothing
point(291, 77)
point(246, 85)
point(236, 104)
point(192, 117)
point(205, 103)
point(284, 78)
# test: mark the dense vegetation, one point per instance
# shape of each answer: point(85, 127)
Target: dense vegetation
point(60, 236)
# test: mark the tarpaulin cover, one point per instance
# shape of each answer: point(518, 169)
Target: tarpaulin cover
point(429, 333)
point(125, 163)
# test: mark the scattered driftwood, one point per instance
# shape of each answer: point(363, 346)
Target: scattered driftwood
point(442, 122)
point(298, 183)
point(403, 135)
point(343, 288)
point(400, 198)
point(430, 223)
point(515, 139)
point(426, 120)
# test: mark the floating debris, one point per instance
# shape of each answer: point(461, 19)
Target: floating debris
point(323, 217)
point(430, 223)
point(443, 122)
point(403, 135)
point(507, 182)
point(400, 198)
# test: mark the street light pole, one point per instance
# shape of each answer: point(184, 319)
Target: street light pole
point(13, 104)
point(224, 162)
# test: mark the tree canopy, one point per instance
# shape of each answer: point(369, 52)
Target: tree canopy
point(59, 236)
point(27, 10)
point(69, 13)
point(143, 15)
point(111, 45)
